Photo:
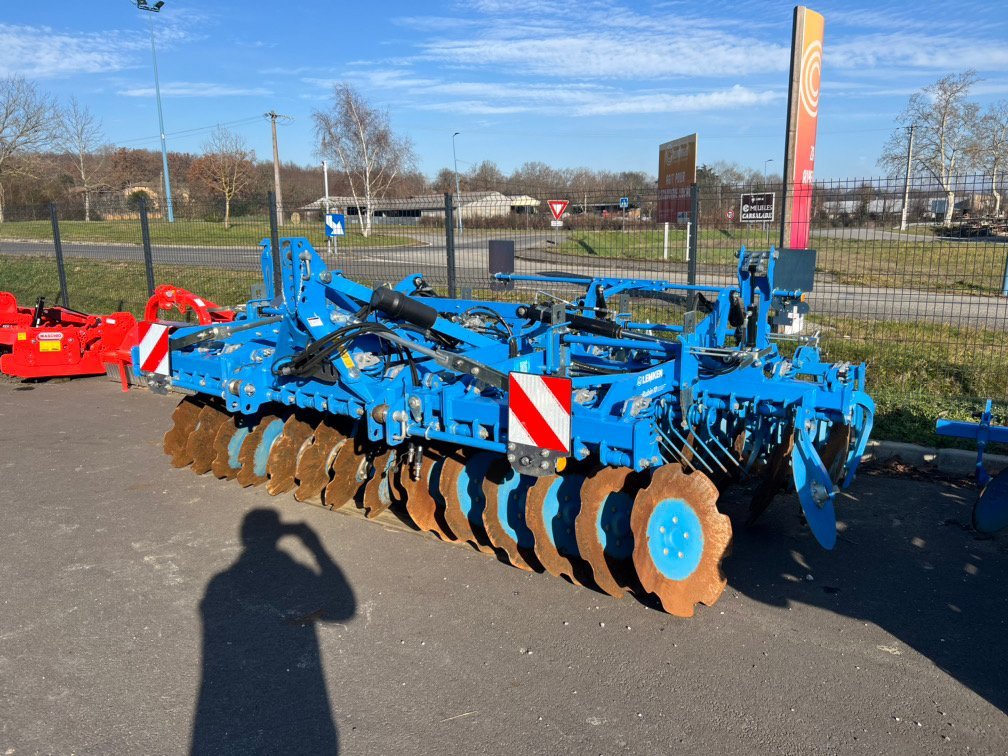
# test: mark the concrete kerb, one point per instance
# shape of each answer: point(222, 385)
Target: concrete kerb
point(948, 461)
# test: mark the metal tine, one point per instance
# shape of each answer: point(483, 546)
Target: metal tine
point(672, 451)
point(696, 456)
point(711, 454)
point(728, 455)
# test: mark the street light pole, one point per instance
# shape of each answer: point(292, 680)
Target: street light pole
point(458, 199)
point(156, 8)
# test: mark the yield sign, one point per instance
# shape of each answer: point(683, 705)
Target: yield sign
point(558, 207)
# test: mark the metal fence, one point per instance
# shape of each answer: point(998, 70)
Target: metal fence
point(924, 301)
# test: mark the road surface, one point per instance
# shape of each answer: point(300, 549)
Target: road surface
point(133, 613)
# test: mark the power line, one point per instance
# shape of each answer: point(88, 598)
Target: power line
point(195, 130)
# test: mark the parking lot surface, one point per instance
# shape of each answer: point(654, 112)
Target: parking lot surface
point(144, 609)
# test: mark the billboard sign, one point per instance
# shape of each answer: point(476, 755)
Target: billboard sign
point(757, 208)
point(803, 118)
point(676, 174)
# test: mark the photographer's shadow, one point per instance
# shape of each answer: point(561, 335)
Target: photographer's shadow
point(263, 687)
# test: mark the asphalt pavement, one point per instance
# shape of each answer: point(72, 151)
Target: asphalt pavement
point(144, 609)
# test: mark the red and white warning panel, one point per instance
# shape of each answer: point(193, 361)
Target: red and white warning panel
point(539, 411)
point(153, 347)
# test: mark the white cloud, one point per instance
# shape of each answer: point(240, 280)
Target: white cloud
point(43, 52)
point(197, 89)
point(613, 54)
point(721, 99)
point(549, 98)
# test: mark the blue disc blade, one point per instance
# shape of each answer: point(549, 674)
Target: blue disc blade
point(815, 490)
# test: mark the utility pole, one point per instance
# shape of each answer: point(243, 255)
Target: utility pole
point(156, 8)
point(273, 115)
point(906, 181)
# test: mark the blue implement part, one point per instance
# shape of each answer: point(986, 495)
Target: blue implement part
point(506, 491)
point(815, 490)
point(461, 485)
point(613, 525)
point(990, 513)
point(510, 507)
point(680, 539)
point(675, 539)
point(560, 508)
point(270, 435)
point(235, 444)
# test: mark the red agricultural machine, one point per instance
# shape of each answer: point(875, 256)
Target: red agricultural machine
point(51, 342)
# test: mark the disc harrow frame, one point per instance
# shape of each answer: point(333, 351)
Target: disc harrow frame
point(569, 435)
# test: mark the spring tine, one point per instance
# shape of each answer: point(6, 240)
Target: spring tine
point(731, 457)
point(710, 453)
point(696, 457)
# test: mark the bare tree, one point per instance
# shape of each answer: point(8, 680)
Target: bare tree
point(26, 123)
point(989, 148)
point(78, 133)
point(227, 167)
point(361, 139)
point(944, 120)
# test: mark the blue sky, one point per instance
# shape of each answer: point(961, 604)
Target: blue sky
point(592, 84)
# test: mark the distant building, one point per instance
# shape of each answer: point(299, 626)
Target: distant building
point(411, 210)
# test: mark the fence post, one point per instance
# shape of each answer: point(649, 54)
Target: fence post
point(275, 244)
point(691, 265)
point(58, 245)
point(450, 242)
point(1004, 282)
point(665, 243)
point(147, 252)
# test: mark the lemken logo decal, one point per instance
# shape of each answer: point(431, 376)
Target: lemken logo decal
point(654, 375)
point(50, 336)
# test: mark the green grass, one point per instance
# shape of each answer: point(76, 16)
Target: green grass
point(244, 232)
point(109, 286)
point(917, 375)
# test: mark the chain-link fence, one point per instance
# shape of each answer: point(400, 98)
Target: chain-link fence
point(912, 279)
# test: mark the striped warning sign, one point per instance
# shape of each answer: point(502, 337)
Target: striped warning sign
point(539, 411)
point(153, 347)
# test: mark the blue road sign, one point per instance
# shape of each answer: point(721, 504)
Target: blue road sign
point(624, 202)
point(335, 225)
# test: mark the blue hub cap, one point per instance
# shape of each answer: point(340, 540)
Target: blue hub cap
point(262, 452)
point(675, 539)
point(560, 508)
point(613, 525)
point(235, 445)
point(511, 495)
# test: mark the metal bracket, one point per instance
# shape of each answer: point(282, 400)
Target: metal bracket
point(219, 331)
point(531, 460)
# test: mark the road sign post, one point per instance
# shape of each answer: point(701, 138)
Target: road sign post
point(335, 227)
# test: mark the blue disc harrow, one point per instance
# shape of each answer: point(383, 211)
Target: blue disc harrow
point(583, 428)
